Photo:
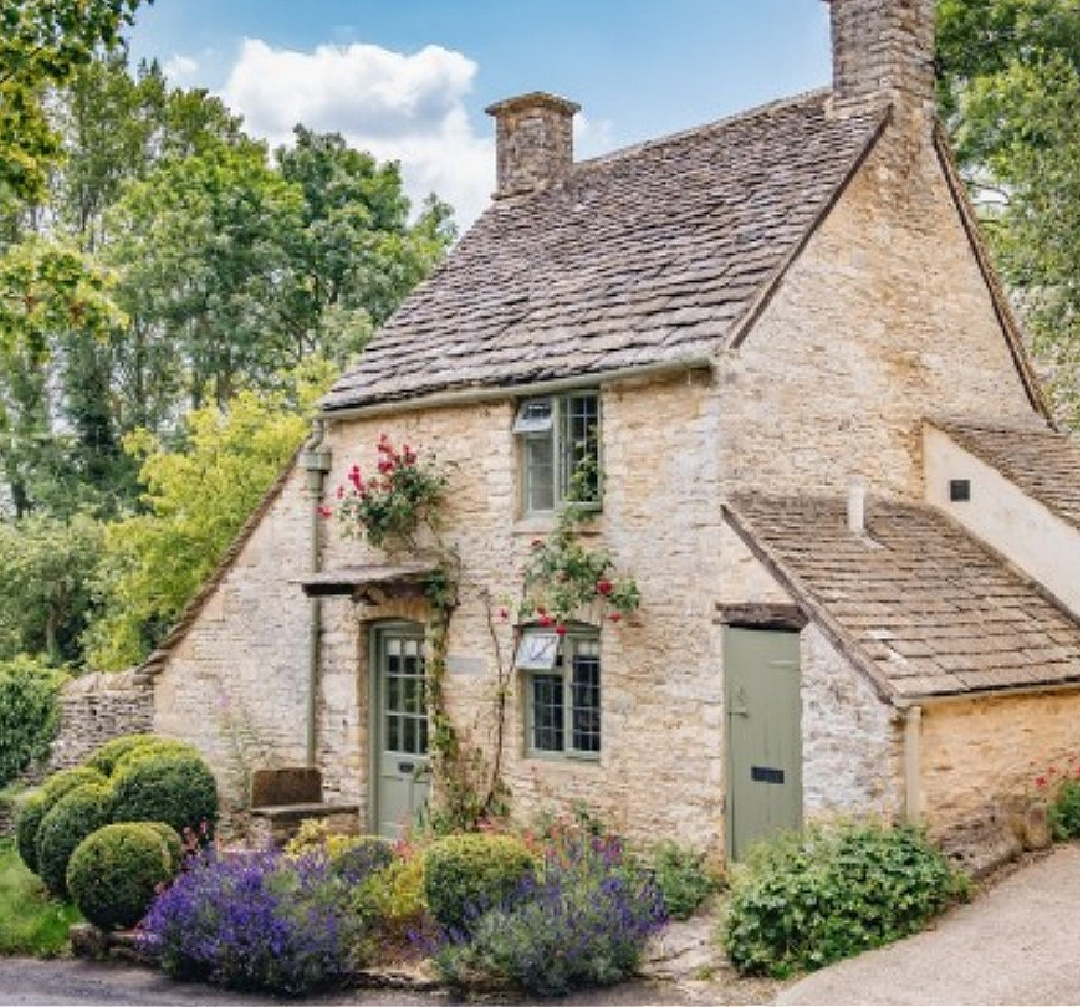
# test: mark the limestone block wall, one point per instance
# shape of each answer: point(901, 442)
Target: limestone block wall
point(235, 684)
point(883, 320)
point(662, 692)
point(97, 708)
point(978, 753)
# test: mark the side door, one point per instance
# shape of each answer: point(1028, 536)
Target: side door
point(400, 728)
point(764, 734)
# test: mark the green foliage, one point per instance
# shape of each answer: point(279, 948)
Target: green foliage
point(352, 857)
point(105, 757)
point(114, 873)
point(468, 873)
point(78, 813)
point(1065, 810)
point(36, 805)
point(31, 922)
point(393, 505)
point(1009, 85)
point(29, 714)
point(198, 496)
point(393, 900)
point(173, 841)
point(152, 749)
point(684, 879)
point(41, 43)
point(802, 901)
point(49, 567)
point(176, 789)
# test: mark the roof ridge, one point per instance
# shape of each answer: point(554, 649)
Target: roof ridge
point(777, 104)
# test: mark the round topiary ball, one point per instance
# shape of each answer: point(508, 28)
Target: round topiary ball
point(116, 871)
point(38, 804)
point(70, 820)
point(173, 841)
point(147, 750)
point(176, 789)
point(32, 809)
point(104, 759)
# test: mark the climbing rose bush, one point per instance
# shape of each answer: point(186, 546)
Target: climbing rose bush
point(255, 921)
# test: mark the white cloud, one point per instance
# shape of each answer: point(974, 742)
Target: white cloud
point(406, 107)
point(180, 69)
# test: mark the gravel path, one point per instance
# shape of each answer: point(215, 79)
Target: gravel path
point(1017, 944)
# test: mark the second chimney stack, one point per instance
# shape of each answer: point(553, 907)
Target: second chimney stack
point(534, 142)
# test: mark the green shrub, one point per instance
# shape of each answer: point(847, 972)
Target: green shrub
point(150, 749)
point(1065, 810)
point(70, 820)
point(29, 714)
point(392, 900)
point(177, 855)
point(104, 759)
point(177, 789)
point(805, 900)
point(468, 873)
point(115, 872)
point(684, 879)
point(36, 805)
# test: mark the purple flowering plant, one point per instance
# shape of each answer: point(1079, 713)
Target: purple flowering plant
point(584, 921)
point(254, 921)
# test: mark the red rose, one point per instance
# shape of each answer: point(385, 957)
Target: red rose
point(603, 586)
point(355, 478)
point(340, 492)
point(503, 614)
point(560, 630)
point(1040, 781)
point(546, 620)
point(615, 617)
point(324, 511)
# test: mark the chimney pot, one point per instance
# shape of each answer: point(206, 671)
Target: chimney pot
point(534, 142)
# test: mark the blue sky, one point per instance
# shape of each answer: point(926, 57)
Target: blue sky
point(410, 78)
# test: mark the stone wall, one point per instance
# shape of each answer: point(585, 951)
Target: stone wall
point(884, 320)
point(978, 755)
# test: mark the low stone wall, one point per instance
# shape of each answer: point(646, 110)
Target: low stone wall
point(94, 709)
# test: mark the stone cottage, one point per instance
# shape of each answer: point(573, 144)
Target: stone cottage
point(825, 460)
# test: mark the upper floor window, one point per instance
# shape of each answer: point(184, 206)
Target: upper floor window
point(560, 450)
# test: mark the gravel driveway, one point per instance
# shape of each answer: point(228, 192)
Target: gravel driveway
point(1017, 944)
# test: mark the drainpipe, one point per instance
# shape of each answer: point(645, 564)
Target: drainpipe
point(316, 463)
point(912, 765)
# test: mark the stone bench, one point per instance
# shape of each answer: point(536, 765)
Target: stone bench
point(283, 799)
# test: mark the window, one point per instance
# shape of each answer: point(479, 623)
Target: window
point(562, 693)
point(560, 450)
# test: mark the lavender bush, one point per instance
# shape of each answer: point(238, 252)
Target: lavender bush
point(254, 922)
point(583, 922)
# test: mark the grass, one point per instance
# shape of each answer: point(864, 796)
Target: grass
point(31, 922)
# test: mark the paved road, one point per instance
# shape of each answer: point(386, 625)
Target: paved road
point(24, 982)
point(1018, 944)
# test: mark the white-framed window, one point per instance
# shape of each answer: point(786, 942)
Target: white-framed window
point(561, 680)
point(560, 450)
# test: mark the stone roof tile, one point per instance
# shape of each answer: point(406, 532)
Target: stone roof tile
point(923, 605)
point(646, 256)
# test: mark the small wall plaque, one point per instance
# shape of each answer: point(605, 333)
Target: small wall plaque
point(763, 774)
point(959, 490)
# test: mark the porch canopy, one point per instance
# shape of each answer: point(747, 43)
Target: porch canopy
point(367, 582)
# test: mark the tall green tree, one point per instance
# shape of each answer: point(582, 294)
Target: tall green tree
point(1009, 85)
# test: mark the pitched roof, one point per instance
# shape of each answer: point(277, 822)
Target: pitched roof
point(1045, 464)
point(919, 605)
point(646, 256)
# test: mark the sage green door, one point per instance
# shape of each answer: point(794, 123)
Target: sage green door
point(400, 748)
point(764, 735)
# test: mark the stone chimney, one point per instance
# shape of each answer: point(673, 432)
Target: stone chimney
point(534, 142)
point(883, 54)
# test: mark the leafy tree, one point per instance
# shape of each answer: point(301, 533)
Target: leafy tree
point(41, 43)
point(48, 565)
point(1009, 82)
point(198, 495)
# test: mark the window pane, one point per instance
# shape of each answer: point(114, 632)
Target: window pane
point(585, 699)
point(580, 459)
point(408, 731)
point(539, 474)
point(547, 713)
point(393, 734)
point(533, 416)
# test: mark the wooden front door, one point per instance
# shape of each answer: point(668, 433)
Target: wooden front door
point(400, 728)
point(764, 735)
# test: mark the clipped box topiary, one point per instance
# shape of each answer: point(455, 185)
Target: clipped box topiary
point(70, 820)
point(177, 789)
point(115, 872)
point(155, 746)
point(469, 873)
point(37, 805)
point(104, 759)
point(172, 841)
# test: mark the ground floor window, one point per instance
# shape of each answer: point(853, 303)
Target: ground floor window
point(562, 693)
